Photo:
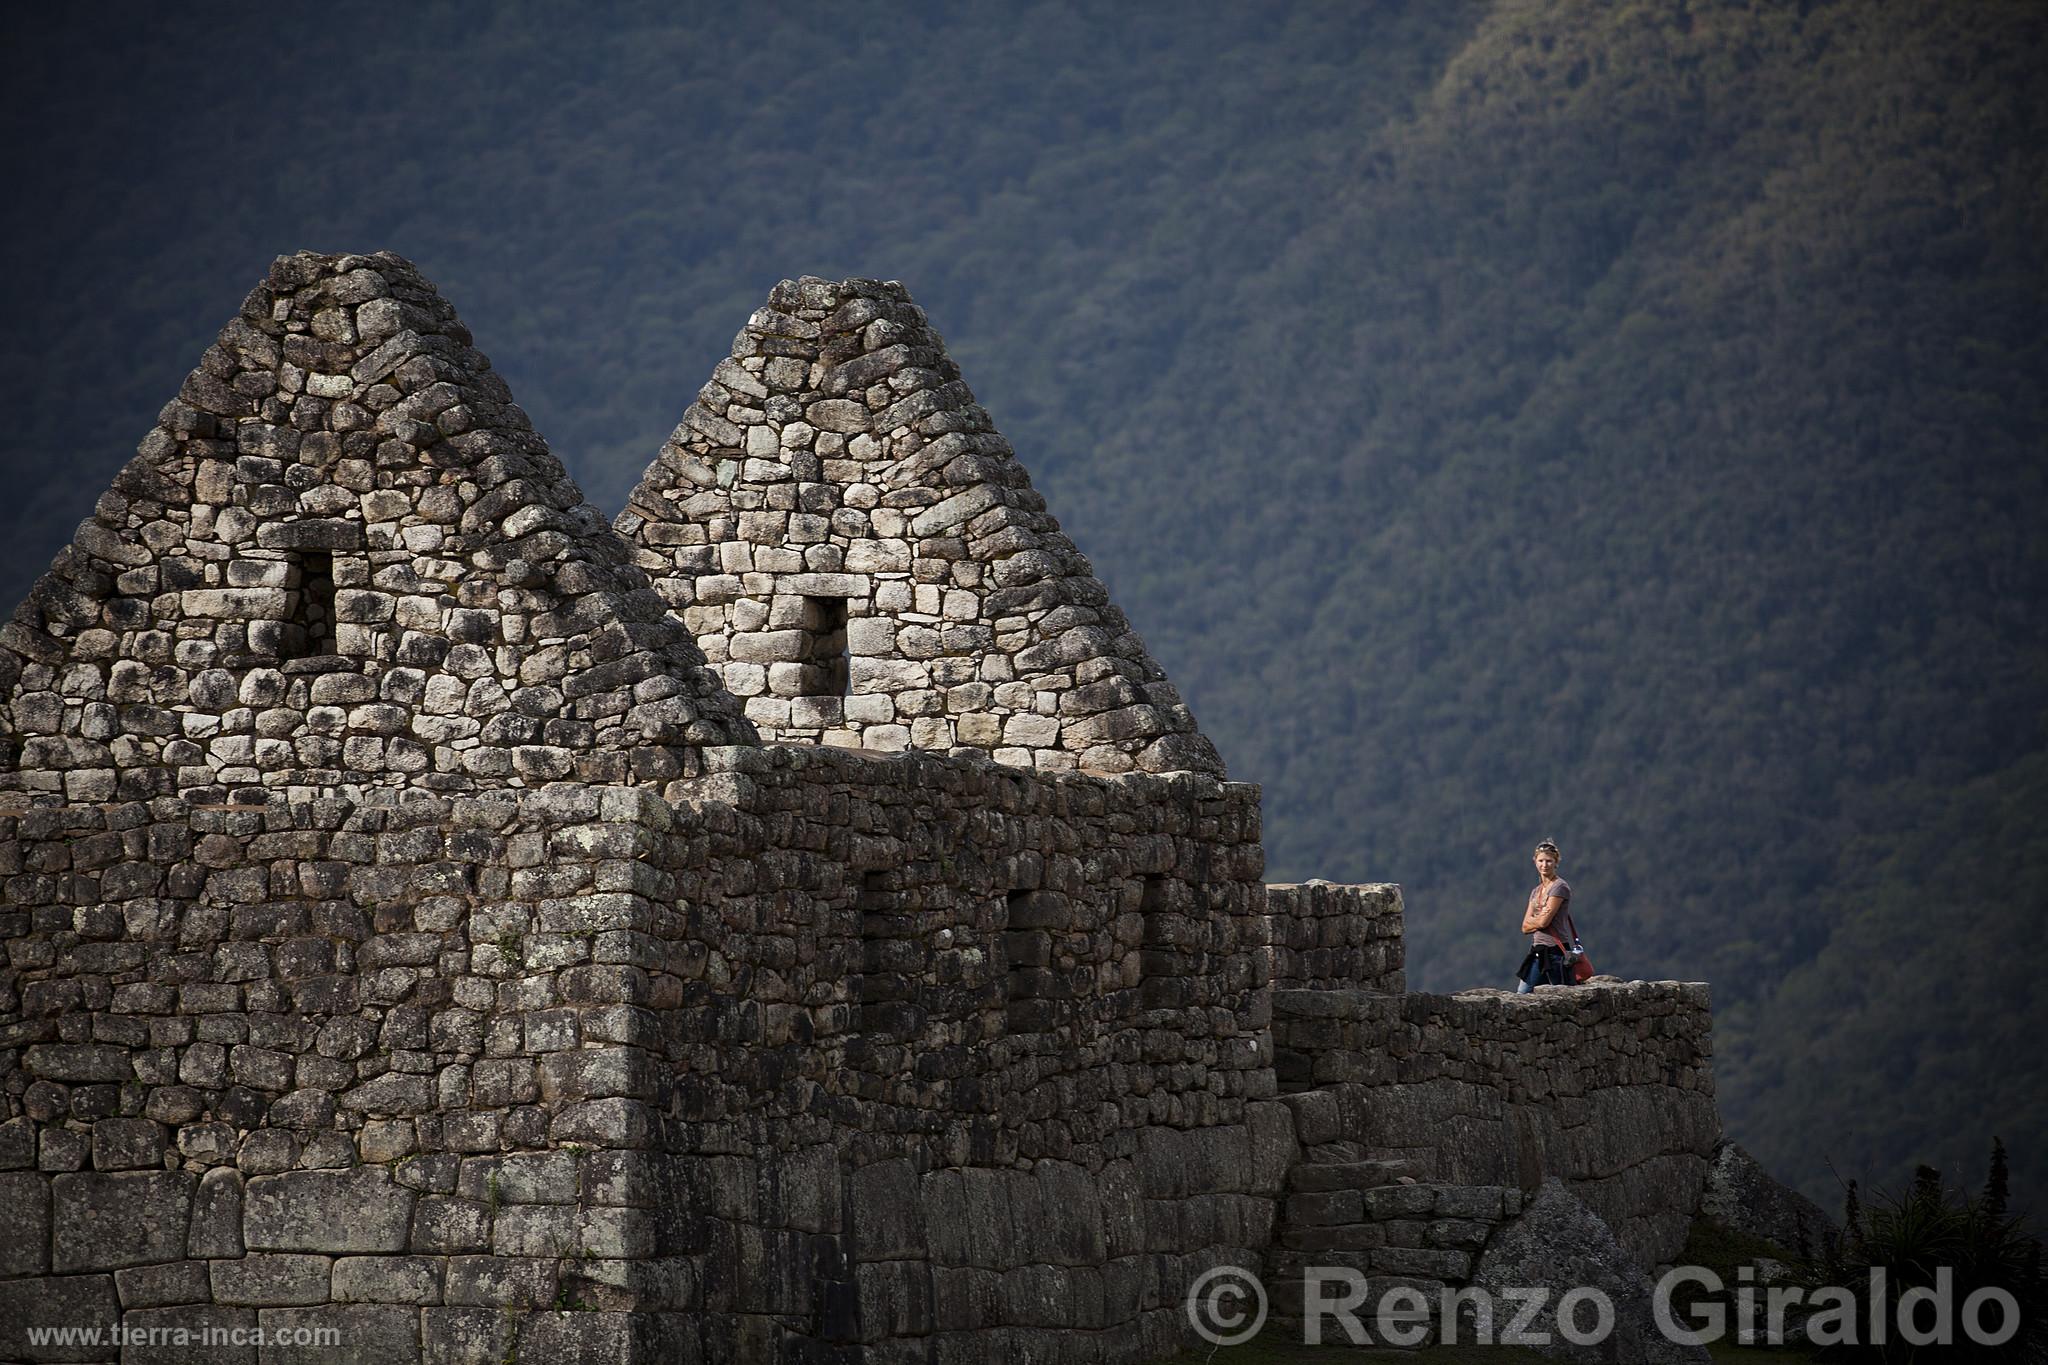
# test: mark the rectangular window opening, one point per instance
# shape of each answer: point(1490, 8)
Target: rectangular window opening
point(827, 670)
point(310, 632)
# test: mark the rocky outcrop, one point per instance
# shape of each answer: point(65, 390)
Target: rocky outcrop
point(1558, 1245)
point(1742, 1196)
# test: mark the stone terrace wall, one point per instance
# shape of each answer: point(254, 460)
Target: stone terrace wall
point(837, 466)
point(1336, 938)
point(721, 1078)
point(1608, 1086)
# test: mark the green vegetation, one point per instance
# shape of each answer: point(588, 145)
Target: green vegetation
point(1620, 422)
point(1931, 1231)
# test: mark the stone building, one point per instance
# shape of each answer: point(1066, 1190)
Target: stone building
point(796, 922)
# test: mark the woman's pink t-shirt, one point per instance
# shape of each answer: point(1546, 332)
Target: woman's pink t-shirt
point(1553, 937)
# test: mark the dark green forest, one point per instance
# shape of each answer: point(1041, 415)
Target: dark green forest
point(1617, 422)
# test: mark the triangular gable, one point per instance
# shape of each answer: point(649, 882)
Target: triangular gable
point(344, 558)
point(863, 557)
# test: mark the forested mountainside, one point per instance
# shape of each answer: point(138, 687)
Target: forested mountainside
point(1617, 422)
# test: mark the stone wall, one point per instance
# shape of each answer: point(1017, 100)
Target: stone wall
point(1608, 1086)
point(405, 934)
point(586, 1065)
point(343, 559)
point(1339, 938)
point(863, 557)
point(287, 1064)
point(1005, 965)
point(921, 1108)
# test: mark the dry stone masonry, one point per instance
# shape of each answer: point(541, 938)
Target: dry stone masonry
point(344, 560)
point(802, 924)
point(1607, 1087)
point(1330, 937)
point(864, 559)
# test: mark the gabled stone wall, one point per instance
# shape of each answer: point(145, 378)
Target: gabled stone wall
point(343, 559)
point(864, 559)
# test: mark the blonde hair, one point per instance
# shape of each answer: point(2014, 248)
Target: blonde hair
point(1547, 844)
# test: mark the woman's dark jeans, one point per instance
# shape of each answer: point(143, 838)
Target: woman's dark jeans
point(1544, 966)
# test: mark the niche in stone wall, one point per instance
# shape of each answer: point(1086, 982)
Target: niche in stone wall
point(1162, 957)
point(891, 961)
point(826, 669)
point(309, 633)
point(1034, 991)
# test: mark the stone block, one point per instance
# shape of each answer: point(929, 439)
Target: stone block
point(160, 1286)
point(17, 1144)
point(965, 1299)
point(1347, 1237)
point(467, 1336)
point(1400, 1201)
point(627, 1179)
point(942, 1211)
point(1325, 1208)
point(1073, 1233)
point(217, 1215)
point(60, 1301)
point(271, 1281)
point(24, 1224)
point(841, 415)
point(1270, 1126)
point(358, 1210)
point(192, 1334)
point(79, 1063)
point(357, 1334)
point(125, 1144)
point(615, 1122)
point(1161, 1163)
point(885, 1222)
point(1316, 1118)
point(594, 1073)
point(236, 604)
point(1469, 1202)
point(894, 1299)
point(105, 1222)
point(448, 1226)
point(534, 1230)
point(987, 1213)
point(1422, 1263)
point(577, 1338)
point(520, 1178)
point(310, 533)
point(388, 1279)
point(1123, 1210)
point(500, 1281)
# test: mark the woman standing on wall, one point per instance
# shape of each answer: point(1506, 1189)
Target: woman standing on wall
point(1544, 921)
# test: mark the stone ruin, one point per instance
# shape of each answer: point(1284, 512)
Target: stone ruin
point(798, 921)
